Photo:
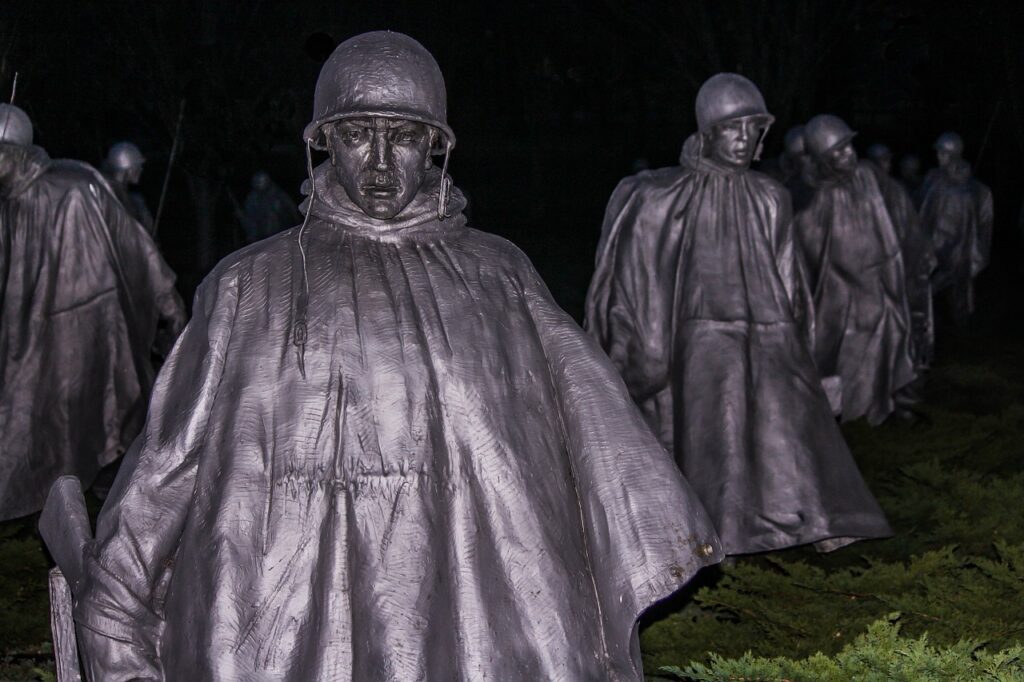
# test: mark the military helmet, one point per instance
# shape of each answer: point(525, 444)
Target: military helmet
point(794, 142)
point(727, 97)
point(123, 156)
point(879, 151)
point(15, 126)
point(825, 132)
point(381, 73)
point(950, 142)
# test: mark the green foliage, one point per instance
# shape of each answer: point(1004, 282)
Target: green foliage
point(880, 654)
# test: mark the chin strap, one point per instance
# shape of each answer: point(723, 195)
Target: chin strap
point(444, 194)
point(760, 142)
point(299, 330)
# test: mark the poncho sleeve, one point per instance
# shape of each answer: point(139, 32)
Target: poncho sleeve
point(624, 308)
point(647, 533)
point(117, 603)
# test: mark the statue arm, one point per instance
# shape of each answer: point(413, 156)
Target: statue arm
point(127, 568)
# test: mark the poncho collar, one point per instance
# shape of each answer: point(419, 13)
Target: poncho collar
point(691, 159)
point(417, 220)
point(31, 163)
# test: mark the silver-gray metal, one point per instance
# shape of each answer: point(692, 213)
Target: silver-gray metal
point(62, 627)
point(15, 126)
point(957, 213)
point(82, 289)
point(950, 142)
point(825, 132)
point(449, 482)
point(124, 156)
point(851, 248)
point(918, 263)
point(794, 143)
point(382, 73)
point(726, 97)
point(699, 299)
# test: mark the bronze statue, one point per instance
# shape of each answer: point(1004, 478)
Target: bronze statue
point(123, 168)
point(82, 290)
point(267, 209)
point(847, 238)
point(380, 451)
point(957, 213)
point(699, 299)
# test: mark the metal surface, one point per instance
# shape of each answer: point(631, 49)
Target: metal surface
point(449, 482)
point(726, 97)
point(957, 214)
point(15, 126)
point(123, 156)
point(918, 263)
point(825, 132)
point(950, 142)
point(699, 299)
point(382, 73)
point(851, 248)
point(82, 291)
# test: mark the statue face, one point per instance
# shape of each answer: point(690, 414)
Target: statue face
point(885, 162)
point(944, 157)
point(842, 158)
point(734, 143)
point(380, 162)
point(133, 174)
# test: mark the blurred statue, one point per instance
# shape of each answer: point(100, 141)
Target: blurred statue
point(123, 168)
point(82, 289)
point(910, 175)
point(380, 451)
point(957, 214)
point(699, 299)
point(918, 255)
point(268, 209)
point(881, 156)
point(791, 167)
point(852, 250)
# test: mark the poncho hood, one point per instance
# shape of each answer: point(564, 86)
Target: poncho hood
point(31, 163)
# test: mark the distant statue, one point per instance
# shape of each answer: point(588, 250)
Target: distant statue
point(380, 450)
point(699, 299)
point(957, 213)
point(268, 209)
point(790, 168)
point(123, 168)
point(852, 250)
point(82, 291)
point(917, 251)
point(910, 176)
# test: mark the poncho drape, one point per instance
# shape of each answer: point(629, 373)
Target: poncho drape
point(699, 300)
point(459, 488)
point(81, 289)
point(862, 319)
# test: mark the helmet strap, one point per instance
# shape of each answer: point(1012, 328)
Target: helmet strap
point(444, 193)
point(760, 142)
point(299, 330)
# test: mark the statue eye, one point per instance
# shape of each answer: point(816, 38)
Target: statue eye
point(405, 136)
point(351, 136)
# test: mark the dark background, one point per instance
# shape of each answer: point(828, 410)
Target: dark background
point(552, 102)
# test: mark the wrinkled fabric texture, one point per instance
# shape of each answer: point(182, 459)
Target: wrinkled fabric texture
point(459, 488)
point(81, 288)
point(957, 214)
point(918, 263)
point(862, 318)
point(699, 300)
point(267, 212)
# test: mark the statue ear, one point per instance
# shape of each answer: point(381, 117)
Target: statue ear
point(428, 162)
point(328, 133)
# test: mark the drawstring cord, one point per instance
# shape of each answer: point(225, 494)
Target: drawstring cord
point(300, 333)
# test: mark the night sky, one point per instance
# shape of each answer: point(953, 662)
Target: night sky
point(552, 102)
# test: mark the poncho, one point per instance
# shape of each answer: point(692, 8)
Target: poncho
point(454, 486)
point(957, 214)
point(862, 319)
point(918, 263)
point(81, 288)
point(699, 300)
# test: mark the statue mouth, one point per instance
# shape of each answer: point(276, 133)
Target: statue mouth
point(380, 191)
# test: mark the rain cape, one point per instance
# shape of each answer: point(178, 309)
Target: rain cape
point(81, 289)
point(957, 213)
point(862, 319)
point(699, 299)
point(459, 488)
